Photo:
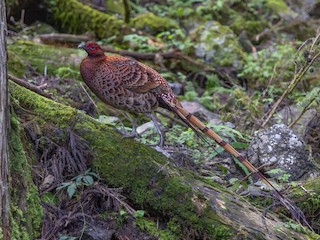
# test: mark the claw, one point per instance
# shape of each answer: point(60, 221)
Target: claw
point(133, 133)
point(160, 143)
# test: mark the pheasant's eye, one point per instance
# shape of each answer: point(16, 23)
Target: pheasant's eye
point(92, 48)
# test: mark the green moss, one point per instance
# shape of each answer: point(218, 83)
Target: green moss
point(311, 204)
point(239, 23)
point(70, 12)
point(50, 198)
point(11, 3)
point(280, 7)
point(153, 24)
point(61, 118)
point(152, 185)
point(16, 64)
point(18, 228)
point(151, 227)
point(42, 57)
point(26, 211)
point(277, 5)
point(116, 6)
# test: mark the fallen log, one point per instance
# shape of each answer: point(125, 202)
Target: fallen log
point(187, 205)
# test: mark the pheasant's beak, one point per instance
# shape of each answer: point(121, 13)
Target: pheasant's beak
point(82, 45)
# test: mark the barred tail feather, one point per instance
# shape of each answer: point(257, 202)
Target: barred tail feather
point(194, 123)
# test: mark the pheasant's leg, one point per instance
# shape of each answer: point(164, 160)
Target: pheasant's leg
point(159, 130)
point(133, 133)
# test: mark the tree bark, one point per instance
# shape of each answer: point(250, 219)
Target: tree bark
point(4, 125)
point(166, 192)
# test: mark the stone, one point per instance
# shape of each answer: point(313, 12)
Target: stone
point(201, 112)
point(279, 147)
point(290, 113)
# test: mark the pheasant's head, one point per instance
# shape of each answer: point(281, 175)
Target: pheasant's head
point(93, 49)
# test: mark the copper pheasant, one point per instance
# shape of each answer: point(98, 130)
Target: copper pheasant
point(127, 84)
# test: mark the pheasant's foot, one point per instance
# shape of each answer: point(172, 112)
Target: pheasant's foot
point(125, 134)
point(160, 143)
point(133, 133)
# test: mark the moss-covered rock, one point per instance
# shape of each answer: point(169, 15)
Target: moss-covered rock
point(280, 7)
point(75, 17)
point(153, 24)
point(240, 23)
point(218, 44)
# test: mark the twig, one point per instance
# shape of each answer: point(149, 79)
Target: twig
point(142, 56)
point(93, 102)
point(126, 7)
point(167, 55)
point(64, 38)
point(252, 174)
point(297, 78)
point(301, 114)
point(31, 87)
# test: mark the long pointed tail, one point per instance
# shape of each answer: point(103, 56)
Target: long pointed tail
point(196, 125)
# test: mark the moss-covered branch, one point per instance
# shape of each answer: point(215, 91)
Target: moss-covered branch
point(189, 206)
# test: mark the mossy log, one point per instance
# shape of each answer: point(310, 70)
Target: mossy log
point(74, 17)
point(189, 205)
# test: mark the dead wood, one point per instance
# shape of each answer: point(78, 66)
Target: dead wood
point(64, 38)
point(4, 128)
point(36, 89)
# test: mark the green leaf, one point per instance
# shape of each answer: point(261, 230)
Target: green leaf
point(88, 180)
point(63, 185)
point(78, 179)
point(139, 213)
point(235, 183)
point(246, 171)
point(239, 145)
point(66, 237)
point(93, 174)
point(71, 190)
point(123, 213)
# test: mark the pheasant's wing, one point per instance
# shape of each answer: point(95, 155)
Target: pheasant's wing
point(133, 75)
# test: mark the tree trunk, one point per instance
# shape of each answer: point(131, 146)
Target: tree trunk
point(4, 125)
point(195, 207)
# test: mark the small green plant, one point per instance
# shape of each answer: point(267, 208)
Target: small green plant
point(143, 43)
point(173, 8)
point(67, 72)
point(235, 182)
point(66, 237)
point(84, 179)
point(292, 225)
point(139, 214)
point(176, 38)
point(269, 63)
point(279, 174)
point(233, 134)
point(123, 213)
